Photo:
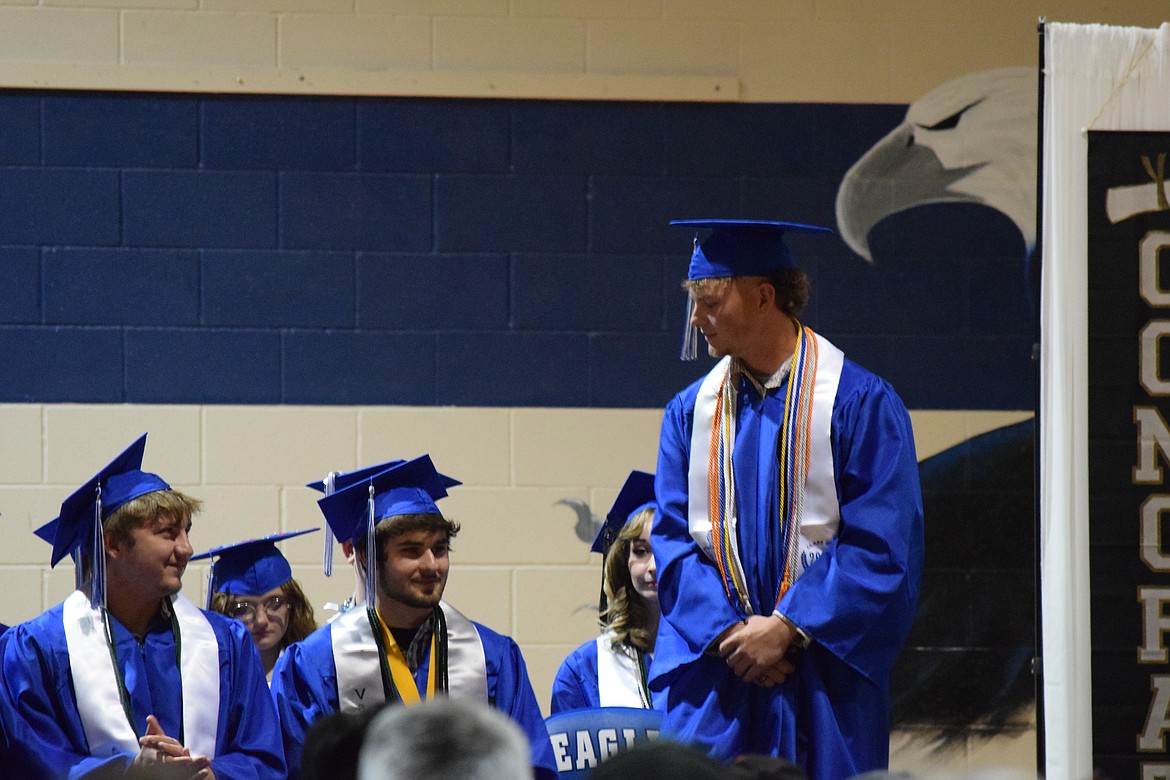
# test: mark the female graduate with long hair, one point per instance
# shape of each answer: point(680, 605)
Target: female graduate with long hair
point(610, 671)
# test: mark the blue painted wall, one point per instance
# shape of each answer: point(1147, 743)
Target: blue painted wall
point(292, 250)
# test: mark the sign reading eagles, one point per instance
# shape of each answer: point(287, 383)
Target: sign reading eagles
point(582, 739)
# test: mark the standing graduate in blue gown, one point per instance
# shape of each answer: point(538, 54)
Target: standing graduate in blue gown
point(790, 537)
point(611, 670)
point(127, 674)
point(409, 645)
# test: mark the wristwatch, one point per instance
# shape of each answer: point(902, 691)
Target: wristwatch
point(801, 640)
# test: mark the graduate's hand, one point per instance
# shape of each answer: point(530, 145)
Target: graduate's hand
point(163, 757)
point(755, 650)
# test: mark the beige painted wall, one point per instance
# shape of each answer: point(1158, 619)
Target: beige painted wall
point(518, 566)
point(872, 51)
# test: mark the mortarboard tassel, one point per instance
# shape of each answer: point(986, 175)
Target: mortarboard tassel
point(371, 554)
point(690, 345)
point(97, 593)
point(210, 582)
point(327, 559)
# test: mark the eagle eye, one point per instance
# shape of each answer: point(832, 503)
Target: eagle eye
point(952, 121)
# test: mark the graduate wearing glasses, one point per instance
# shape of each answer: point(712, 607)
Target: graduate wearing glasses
point(611, 670)
point(252, 582)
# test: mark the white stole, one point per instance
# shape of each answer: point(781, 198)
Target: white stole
point(821, 515)
point(619, 681)
point(99, 703)
point(358, 665)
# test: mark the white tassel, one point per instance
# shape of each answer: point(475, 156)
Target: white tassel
point(690, 344)
point(371, 553)
point(97, 593)
point(327, 560)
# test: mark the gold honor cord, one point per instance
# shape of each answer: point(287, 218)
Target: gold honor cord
point(394, 658)
point(793, 455)
point(793, 463)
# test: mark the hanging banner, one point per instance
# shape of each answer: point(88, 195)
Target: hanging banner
point(1129, 451)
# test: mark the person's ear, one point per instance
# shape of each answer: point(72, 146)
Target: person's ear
point(765, 295)
point(112, 543)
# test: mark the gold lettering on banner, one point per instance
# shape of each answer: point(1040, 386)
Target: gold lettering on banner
point(1151, 533)
point(1159, 771)
point(1151, 357)
point(1153, 436)
point(1153, 736)
point(1159, 178)
point(1149, 278)
point(1155, 624)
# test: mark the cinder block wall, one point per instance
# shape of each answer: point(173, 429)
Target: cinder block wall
point(887, 51)
point(520, 566)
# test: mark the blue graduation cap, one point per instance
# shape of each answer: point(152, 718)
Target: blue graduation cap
point(335, 481)
point(742, 247)
point(636, 494)
point(91, 504)
point(736, 247)
point(409, 487)
point(84, 512)
point(249, 568)
point(341, 480)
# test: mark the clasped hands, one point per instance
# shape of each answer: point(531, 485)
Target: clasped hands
point(756, 649)
point(164, 757)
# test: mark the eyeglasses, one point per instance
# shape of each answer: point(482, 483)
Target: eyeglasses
point(246, 610)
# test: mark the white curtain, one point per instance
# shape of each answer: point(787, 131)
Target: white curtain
point(1096, 78)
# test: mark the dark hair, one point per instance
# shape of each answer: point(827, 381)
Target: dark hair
point(396, 525)
point(792, 290)
point(755, 766)
point(660, 760)
point(334, 742)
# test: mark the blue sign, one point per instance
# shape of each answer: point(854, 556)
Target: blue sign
point(582, 739)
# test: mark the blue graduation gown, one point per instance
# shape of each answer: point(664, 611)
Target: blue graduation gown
point(856, 601)
point(304, 686)
point(578, 681)
point(38, 707)
point(575, 687)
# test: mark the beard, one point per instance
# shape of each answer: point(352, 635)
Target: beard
point(410, 593)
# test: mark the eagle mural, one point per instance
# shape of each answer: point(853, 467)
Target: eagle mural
point(971, 140)
point(966, 668)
